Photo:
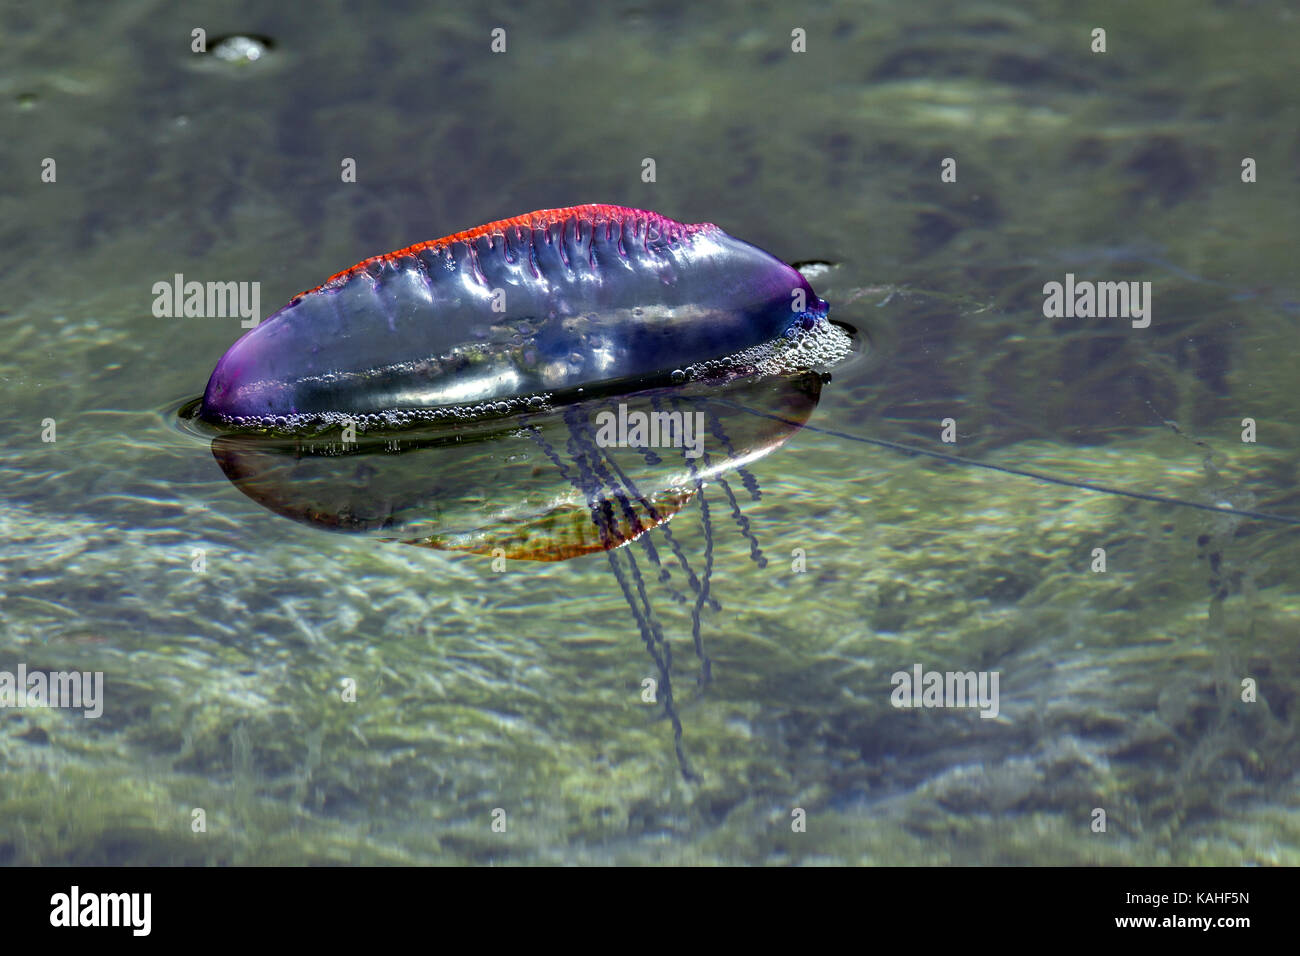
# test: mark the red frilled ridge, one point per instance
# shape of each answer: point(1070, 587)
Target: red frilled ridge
point(591, 213)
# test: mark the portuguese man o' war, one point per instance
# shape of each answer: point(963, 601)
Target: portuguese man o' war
point(517, 314)
point(475, 381)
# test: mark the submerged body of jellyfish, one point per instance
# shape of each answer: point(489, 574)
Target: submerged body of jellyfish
point(541, 387)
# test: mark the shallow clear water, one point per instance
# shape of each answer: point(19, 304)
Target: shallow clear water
point(521, 690)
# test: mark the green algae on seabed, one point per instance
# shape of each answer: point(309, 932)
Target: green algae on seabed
point(1109, 696)
point(477, 690)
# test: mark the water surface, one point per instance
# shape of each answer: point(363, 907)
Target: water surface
point(521, 690)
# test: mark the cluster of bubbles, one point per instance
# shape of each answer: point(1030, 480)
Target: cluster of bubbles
point(819, 345)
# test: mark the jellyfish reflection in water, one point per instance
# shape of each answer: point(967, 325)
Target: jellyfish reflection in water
point(588, 477)
point(501, 384)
